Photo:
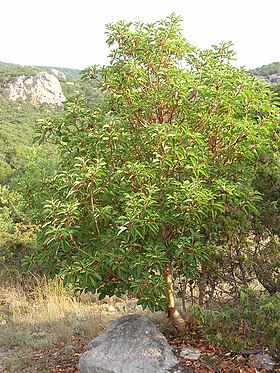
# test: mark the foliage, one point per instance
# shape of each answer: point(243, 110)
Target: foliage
point(17, 235)
point(248, 251)
point(25, 167)
point(20, 204)
point(147, 175)
point(276, 88)
point(17, 121)
point(71, 74)
point(40, 164)
point(266, 255)
point(253, 320)
point(88, 89)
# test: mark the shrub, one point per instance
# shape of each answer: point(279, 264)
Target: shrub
point(252, 321)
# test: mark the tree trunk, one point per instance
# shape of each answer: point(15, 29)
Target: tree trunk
point(173, 314)
point(202, 286)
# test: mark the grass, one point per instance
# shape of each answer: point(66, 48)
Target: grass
point(38, 323)
point(45, 327)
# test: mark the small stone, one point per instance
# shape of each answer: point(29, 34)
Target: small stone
point(41, 334)
point(111, 308)
point(58, 74)
point(38, 335)
point(190, 353)
point(69, 348)
point(263, 361)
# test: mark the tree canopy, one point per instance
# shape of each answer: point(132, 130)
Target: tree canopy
point(148, 174)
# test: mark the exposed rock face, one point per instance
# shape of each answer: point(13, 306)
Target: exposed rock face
point(58, 74)
point(40, 88)
point(132, 344)
point(271, 79)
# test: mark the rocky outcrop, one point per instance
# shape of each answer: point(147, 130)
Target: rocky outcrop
point(39, 89)
point(130, 344)
point(271, 79)
point(60, 75)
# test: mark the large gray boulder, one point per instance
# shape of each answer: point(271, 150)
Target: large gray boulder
point(132, 344)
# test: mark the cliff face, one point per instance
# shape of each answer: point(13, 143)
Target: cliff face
point(271, 79)
point(39, 89)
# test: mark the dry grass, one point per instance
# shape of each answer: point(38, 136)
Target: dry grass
point(50, 314)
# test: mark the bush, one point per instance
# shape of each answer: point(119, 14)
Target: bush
point(17, 235)
point(252, 321)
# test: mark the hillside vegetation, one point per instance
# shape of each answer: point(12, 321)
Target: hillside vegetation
point(265, 70)
point(24, 164)
point(71, 74)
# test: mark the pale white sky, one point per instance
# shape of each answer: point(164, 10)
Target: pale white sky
point(70, 33)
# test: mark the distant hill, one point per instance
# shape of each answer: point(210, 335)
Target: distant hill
point(269, 73)
point(75, 74)
point(7, 64)
point(71, 74)
point(9, 73)
point(265, 70)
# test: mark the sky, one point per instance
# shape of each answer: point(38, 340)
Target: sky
point(71, 33)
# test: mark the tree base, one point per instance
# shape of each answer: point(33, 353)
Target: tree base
point(177, 320)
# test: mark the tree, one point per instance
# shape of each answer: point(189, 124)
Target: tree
point(146, 175)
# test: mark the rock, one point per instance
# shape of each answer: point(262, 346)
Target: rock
point(38, 335)
point(190, 353)
point(111, 308)
point(69, 348)
point(271, 79)
point(263, 361)
point(40, 88)
point(132, 344)
point(58, 74)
